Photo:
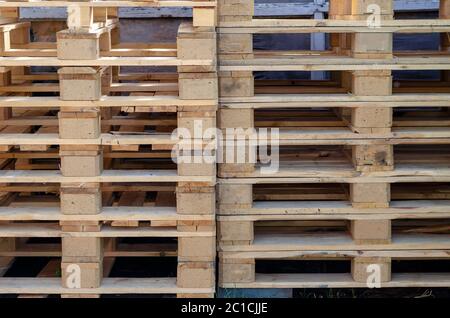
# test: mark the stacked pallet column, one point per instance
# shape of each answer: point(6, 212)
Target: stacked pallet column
point(371, 157)
point(444, 13)
point(238, 46)
point(6, 244)
point(233, 123)
point(196, 255)
point(80, 254)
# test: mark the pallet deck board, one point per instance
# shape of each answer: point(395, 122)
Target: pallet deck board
point(111, 285)
point(311, 210)
point(280, 242)
point(122, 213)
point(103, 61)
point(52, 176)
point(316, 62)
point(314, 172)
point(335, 100)
point(284, 26)
point(104, 101)
point(53, 230)
point(341, 281)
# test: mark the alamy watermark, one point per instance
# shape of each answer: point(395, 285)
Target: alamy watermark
point(231, 146)
point(374, 18)
point(374, 276)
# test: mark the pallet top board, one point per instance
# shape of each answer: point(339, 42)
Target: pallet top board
point(265, 26)
point(54, 230)
point(343, 280)
point(313, 136)
point(344, 136)
point(159, 101)
point(122, 213)
point(52, 176)
point(396, 254)
point(104, 61)
point(337, 210)
point(105, 139)
point(334, 100)
point(114, 3)
point(119, 285)
point(291, 61)
point(342, 173)
point(124, 250)
point(114, 87)
point(332, 242)
point(44, 49)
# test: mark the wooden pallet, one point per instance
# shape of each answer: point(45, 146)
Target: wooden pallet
point(350, 149)
point(66, 131)
point(322, 222)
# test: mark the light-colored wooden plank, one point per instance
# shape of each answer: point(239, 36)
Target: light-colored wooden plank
point(109, 286)
point(341, 281)
point(53, 230)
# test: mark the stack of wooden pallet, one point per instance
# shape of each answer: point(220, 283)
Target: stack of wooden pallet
point(357, 169)
point(86, 151)
point(363, 170)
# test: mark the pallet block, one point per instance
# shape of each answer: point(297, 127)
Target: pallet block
point(236, 270)
point(234, 196)
point(196, 165)
point(235, 44)
point(373, 158)
point(239, 232)
point(236, 84)
point(235, 119)
point(373, 45)
point(196, 123)
point(235, 10)
point(372, 120)
point(82, 83)
point(196, 274)
point(78, 46)
point(79, 125)
point(199, 249)
point(363, 267)
point(194, 86)
point(196, 200)
point(81, 198)
point(90, 274)
point(371, 83)
point(370, 195)
point(371, 231)
point(82, 249)
point(81, 161)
